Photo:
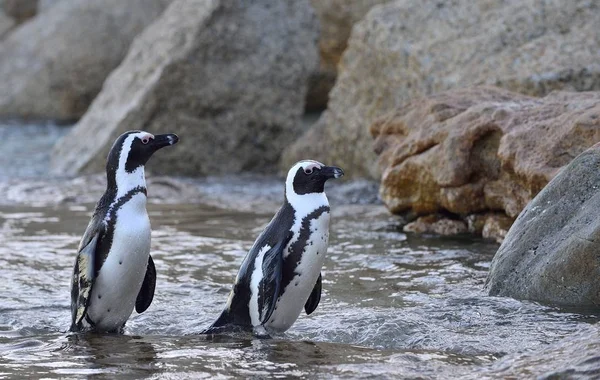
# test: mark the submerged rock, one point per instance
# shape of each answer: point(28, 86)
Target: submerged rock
point(59, 60)
point(436, 224)
point(336, 17)
point(228, 76)
point(480, 149)
point(490, 225)
point(551, 253)
point(406, 49)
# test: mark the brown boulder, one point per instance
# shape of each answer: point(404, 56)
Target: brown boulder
point(436, 224)
point(406, 49)
point(490, 225)
point(482, 148)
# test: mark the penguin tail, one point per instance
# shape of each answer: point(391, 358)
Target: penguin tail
point(220, 325)
point(226, 324)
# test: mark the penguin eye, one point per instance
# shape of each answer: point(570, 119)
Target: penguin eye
point(308, 171)
point(145, 140)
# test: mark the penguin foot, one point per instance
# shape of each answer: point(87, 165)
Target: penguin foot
point(260, 332)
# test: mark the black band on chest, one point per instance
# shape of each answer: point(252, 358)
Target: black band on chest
point(298, 247)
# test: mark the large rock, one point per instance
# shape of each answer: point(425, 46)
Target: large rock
point(20, 10)
point(336, 17)
point(6, 23)
point(229, 76)
point(405, 49)
point(552, 252)
point(479, 149)
point(54, 65)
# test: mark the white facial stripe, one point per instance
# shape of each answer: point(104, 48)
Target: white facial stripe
point(311, 167)
point(128, 181)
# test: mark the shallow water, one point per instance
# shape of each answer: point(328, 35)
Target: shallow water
point(25, 149)
point(394, 305)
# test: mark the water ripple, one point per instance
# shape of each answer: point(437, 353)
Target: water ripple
point(394, 305)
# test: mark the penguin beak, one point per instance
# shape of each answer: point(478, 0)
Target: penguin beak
point(332, 172)
point(161, 141)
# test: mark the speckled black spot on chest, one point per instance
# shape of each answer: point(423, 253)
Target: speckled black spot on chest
point(298, 248)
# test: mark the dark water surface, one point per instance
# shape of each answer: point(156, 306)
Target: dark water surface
point(394, 305)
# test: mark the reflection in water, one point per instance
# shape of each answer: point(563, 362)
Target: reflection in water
point(109, 354)
point(393, 305)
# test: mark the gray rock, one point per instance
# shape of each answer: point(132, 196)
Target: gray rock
point(44, 5)
point(228, 76)
point(336, 17)
point(406, 49)
point(551, 253)
point(6, 23)
point(59, 60)
point(20, 10)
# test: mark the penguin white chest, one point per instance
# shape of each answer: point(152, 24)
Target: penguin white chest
point(292, 299)
point(120, 279)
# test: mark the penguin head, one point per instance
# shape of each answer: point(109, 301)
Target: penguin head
point(307, 177)
point(131, 151)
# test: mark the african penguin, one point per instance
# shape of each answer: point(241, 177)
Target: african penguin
point(114, 270)
point(282, 271)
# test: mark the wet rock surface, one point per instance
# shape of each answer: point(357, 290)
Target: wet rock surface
point(490, 225)
point(480, 149)
point(436, 224)
point(59, 60)
point(551, 253)
point(406, 49)
point(228, 76)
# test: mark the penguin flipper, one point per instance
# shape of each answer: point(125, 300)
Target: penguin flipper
point(314, 298)
point(270, 285)
point(84, 274)
point(146, 294)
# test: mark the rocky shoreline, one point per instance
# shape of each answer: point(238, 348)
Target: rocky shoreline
point(258, 193)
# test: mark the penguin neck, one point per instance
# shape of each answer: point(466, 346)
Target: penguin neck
point(123, 182)
point(304, 204)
